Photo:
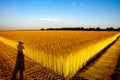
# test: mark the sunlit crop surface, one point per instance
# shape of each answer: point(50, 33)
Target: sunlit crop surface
point(65, 52)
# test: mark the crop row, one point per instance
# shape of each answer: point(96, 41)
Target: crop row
point(64, 52)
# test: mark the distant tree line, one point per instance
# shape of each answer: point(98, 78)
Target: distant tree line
point(85, 29)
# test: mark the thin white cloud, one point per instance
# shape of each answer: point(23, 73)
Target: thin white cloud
point(49, 19)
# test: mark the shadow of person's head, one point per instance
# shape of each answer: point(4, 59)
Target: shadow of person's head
point(20, 43)
point(19, 66)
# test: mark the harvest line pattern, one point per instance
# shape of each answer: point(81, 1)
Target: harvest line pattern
point(33, 70)
point(38, 73)
point(102, 67)
point(58, 52)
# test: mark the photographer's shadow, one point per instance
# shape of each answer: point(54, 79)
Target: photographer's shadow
point(19, 62)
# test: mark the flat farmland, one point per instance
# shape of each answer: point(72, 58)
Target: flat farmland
point(64, 52)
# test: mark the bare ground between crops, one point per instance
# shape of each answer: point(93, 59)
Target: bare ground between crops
point(33, 70)
point(105, 67)
point(100, 69)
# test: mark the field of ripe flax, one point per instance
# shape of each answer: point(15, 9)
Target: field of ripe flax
point(65, 52)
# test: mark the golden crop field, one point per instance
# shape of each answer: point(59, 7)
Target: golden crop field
point(64, 52)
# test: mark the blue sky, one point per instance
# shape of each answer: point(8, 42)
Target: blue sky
point(36, 14)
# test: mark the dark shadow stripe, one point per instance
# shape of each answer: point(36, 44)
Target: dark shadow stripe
point(93, 59)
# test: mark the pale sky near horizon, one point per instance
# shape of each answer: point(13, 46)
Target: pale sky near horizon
point(37, 14)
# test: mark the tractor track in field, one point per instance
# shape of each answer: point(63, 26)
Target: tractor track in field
point(102, 68)
point(7, 65)
point(33, 70)
point(105, 66)
point(116, 74)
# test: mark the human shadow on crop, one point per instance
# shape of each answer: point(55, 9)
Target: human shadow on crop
point(19, 66)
